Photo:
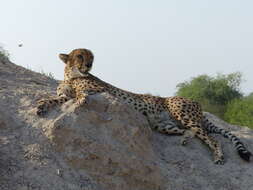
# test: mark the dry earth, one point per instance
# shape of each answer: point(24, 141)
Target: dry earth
point(103, 146)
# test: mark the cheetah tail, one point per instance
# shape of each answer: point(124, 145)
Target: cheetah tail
point(241, 149)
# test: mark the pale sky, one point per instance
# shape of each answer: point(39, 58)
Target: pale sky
point(145, 46)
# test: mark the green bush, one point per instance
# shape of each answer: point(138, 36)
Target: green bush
point(4, 54)
point(214, 93)
point(240, 111)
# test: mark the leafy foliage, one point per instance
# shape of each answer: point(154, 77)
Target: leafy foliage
point(240, 111)
point(4, 54)
point(214, 93)
point(50, 75)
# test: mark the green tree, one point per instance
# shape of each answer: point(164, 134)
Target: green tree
point(214, 93)
point(240, 111)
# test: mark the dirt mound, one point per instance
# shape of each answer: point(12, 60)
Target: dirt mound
point(105, 145)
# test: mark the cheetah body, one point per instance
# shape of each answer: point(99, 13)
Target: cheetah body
point(187, 115)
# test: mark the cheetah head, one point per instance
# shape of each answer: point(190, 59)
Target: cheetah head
point(77, 63)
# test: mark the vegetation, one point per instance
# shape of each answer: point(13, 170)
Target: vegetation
point(214, 93)
point(4, 54)
point(240, 111)
point(50, 75)
point(221, 96)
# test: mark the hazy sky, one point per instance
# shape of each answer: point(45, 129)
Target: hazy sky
point(146, 46)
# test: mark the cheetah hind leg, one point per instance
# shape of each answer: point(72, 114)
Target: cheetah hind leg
point(166, 124)
point(208, 140)
point(188, 134)
point(213, 144)
point(163, 123)
point(168, 129)
point(171, 129)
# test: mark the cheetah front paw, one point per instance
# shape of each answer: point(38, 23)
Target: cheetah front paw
point(80, 102)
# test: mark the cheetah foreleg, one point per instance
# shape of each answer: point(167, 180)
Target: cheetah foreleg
point(64, 93)
point(44, 105)
point(81, 97)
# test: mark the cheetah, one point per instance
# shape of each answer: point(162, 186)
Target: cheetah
point(188, 116)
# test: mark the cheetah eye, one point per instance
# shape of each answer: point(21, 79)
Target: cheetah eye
point(80, 57)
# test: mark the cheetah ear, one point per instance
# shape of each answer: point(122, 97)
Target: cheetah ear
point(64, 57)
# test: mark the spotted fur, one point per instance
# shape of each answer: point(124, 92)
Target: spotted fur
point(187, 115)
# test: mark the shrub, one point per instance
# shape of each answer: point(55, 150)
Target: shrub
point(240, 111)
point(214, 93)
point(4, 54)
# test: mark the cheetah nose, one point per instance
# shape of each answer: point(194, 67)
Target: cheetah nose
point(88, 64)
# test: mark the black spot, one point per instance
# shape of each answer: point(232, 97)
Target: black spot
point(144, 113)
